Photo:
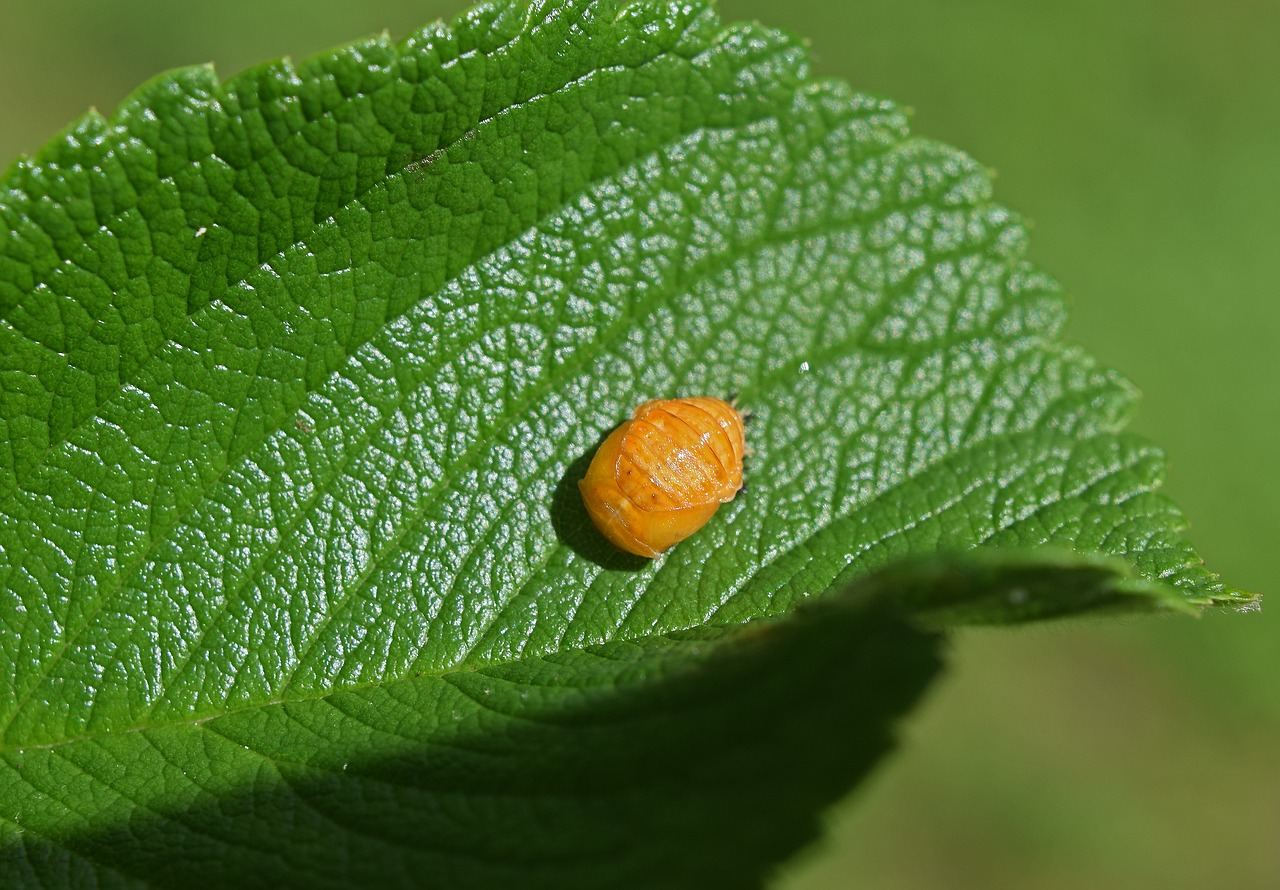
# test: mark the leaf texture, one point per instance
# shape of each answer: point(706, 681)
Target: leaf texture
point(297, 374)
point(691, 759)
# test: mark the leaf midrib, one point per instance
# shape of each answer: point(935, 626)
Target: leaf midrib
point(850, 558)
point(8, 749)
point(429, 674)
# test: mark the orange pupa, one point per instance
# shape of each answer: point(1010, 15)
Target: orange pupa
point(662, 475)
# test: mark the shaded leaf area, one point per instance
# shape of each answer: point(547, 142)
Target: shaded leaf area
point(693, 759)
point(297, 373)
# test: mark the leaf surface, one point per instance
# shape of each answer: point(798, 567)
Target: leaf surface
point(298, 373)
point(691, 759)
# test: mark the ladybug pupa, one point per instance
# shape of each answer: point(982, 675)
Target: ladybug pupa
point(662, 475)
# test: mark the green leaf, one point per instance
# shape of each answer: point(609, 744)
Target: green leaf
point(297, 374)
point(695, 758)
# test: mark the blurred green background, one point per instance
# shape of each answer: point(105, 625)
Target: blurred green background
point(1142, 139)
